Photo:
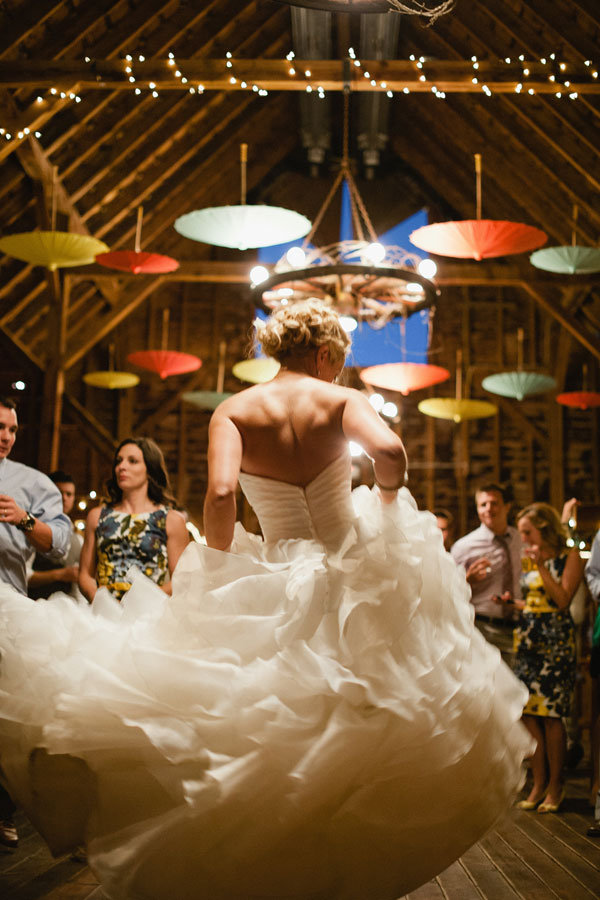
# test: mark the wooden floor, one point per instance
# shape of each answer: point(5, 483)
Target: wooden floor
point(528, 856)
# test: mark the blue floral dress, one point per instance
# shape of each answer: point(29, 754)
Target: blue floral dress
point(545, 645)
point(130, 539)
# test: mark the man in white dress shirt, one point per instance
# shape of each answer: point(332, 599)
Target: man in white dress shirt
point(491, 556)
point(31, 518)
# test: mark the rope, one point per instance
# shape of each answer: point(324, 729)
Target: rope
point(430, 9)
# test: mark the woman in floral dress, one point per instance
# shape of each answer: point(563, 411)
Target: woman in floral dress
point(138, 527)
point(545, 646)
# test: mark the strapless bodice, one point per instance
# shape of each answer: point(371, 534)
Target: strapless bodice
point(320, 511)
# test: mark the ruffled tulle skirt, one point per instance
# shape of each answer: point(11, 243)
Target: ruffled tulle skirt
point(294, 722)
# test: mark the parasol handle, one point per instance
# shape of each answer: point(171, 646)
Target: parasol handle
point(54, 192)
point(575, 216)
point(478, 184)
point(458, 373)
point(138, 229)
point(165, 328)
point(520, 335)
point(243, 166)
point(221, 369)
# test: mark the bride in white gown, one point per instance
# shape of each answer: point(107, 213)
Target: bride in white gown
point(309, 716)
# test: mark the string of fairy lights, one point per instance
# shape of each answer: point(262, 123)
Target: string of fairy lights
point(556, 74)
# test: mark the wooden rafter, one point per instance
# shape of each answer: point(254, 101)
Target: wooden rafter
point(274, 75)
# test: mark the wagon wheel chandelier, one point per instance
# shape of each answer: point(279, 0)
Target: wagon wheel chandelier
point(361, 278)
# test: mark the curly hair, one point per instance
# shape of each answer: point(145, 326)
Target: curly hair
point(159, 488)
point(300, 327)
point(547, 521)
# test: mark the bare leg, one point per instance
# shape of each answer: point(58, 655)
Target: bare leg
point(556, 749)
point(538, 760)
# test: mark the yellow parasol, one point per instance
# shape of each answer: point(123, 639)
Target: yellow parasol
point(457, 408)
point(53, 249)
point(256, 371)
point(111, 380)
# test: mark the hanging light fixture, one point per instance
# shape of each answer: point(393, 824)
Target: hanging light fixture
point(570, 259)
point(478, 238)
point(211, 399)
point(458, 409)
point(360, 278)
point(136, 261)
point(165, 362)
point(518, 384)
point(430, 9)
point(245, 226)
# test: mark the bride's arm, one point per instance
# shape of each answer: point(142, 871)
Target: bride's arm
point(362, 424)
point(224, 463)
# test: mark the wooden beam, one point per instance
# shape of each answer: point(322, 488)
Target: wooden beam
point(565, 320)
point(276, 75)
point(525, 424)
point(147, 425)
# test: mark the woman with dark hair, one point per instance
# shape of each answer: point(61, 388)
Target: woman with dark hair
point(545, 646)
point(138, 526)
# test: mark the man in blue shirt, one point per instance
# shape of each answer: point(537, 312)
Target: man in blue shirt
point(31, 518)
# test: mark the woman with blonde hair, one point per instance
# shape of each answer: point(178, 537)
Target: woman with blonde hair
point(545, 646)
point(313, 714)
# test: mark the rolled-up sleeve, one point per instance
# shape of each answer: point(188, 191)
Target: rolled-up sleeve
point(48, 508)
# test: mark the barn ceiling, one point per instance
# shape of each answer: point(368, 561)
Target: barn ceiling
point(107, 144)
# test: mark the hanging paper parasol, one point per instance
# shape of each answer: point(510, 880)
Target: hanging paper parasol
point(568, 260)
point(165, 362)
point(256, 371)
point(457, 408)
point(477, 238)
point(243, 227)
point(404, 377)
point(53, 249)
point(518, 384)
point(211, 399)
point(111, 380)
point(136, 261)
point(579, 399)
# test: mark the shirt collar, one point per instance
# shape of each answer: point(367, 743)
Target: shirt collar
point(491, 534)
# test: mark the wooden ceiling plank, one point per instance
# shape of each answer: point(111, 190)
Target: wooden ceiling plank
point(476, 43)
point(164, 173)
point(30, 18)
point(98, 106)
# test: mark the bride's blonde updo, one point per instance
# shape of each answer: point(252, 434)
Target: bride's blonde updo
point(300, 327)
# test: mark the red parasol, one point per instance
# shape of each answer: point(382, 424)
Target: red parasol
point(137, 261)
point(478, 238)
point(579, 399)
point(404, 377)
point(165, 362)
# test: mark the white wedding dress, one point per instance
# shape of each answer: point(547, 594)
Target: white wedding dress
point(312, 716)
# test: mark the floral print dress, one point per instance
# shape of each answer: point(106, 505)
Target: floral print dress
point(130, 539)
point(545, 645)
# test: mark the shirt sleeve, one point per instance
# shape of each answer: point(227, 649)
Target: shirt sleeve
point(592, 569)
point(48, 509)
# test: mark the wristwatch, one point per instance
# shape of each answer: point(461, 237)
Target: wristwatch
point(27, 523)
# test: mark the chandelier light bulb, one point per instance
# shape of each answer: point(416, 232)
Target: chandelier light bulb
point(427, 268)
point(377, 402)
point(375, 253)
point(258, 274)
point(389, 409)
point(348, 323)
point(355, 449)
point(295, 256)
point(413, 287)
